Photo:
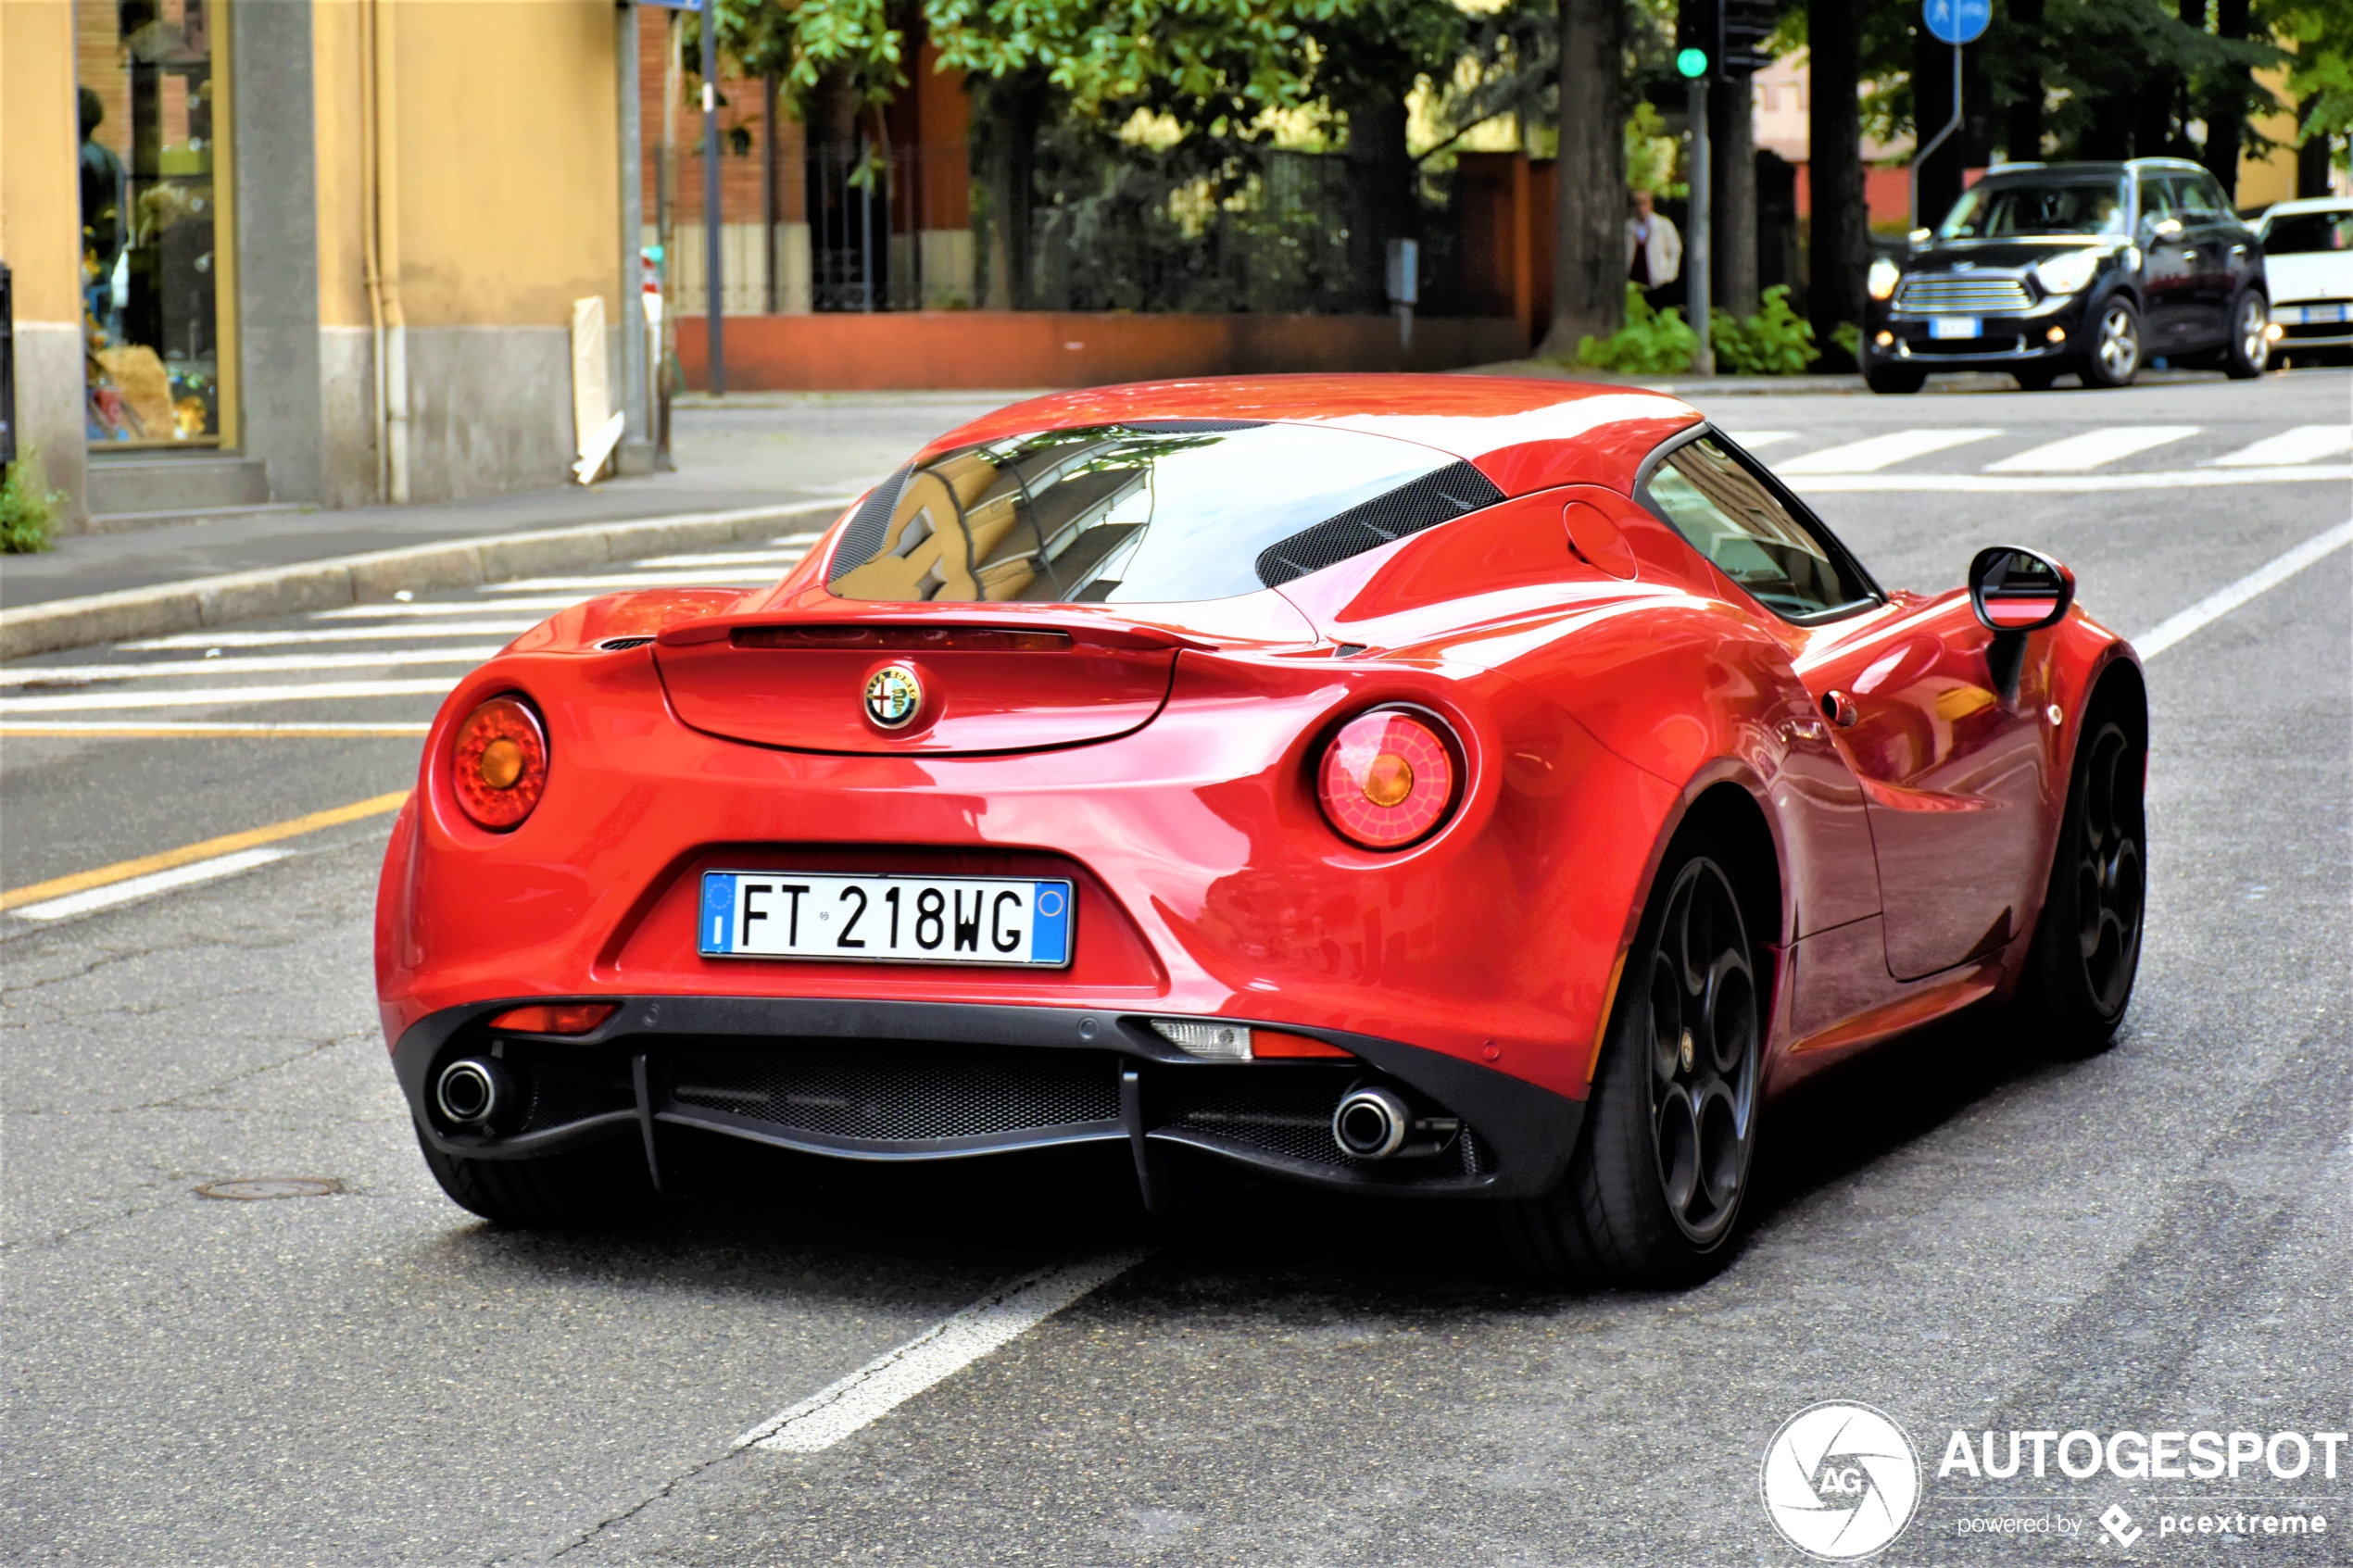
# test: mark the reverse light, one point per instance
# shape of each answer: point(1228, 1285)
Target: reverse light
point(2069, 273)
point(1386, 779)
point(1883, 278)
point(1213, 1040)
point(498, 762)
point(556, 1018)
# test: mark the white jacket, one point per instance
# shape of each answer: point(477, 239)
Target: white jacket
point(1665, 248)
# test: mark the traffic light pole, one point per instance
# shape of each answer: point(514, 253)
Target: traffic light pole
point(1695, 247)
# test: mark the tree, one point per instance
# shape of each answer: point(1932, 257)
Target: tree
point(1840, 239)
point(1589, 203)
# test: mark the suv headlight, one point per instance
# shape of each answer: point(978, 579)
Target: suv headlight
point(1882, 277)
point(2067, 274)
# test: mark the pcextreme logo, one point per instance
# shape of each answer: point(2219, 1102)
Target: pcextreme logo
point(1840, 1480)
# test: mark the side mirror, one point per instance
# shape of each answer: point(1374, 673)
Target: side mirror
point(2018, 590)
point(2167, 229)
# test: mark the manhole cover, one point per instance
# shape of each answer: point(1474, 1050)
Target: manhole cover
point(247, 1189)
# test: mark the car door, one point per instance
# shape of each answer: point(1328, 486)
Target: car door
point(2210, 229)
point(2169, 265)
point(1953, 774)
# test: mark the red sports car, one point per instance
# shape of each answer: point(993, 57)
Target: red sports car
point(1436, 786)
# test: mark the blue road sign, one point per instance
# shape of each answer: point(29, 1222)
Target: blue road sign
point(1956, 21)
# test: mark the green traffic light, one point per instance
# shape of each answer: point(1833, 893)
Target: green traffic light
point(1692, 63)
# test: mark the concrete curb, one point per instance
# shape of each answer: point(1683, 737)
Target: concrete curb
point(168, 607)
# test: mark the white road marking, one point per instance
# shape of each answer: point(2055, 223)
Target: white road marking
point(1875, 451)
point(2215, 606)
point(82, 674)
point(2303, 444)
point(2074, 454)
point(939, 1352)
point(403, 611)
point(155, 882)
point(651, 580)
point(2063, 484)
point(219, 697)
point(1753, 439)
point(328, 634)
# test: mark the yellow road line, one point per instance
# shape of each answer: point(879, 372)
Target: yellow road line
point(208, 732)
point(229, 843)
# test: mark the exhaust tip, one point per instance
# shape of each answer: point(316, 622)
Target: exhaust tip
point(1372, 1123)
point(472, 1092)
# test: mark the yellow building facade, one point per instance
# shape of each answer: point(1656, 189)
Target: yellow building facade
point(317, 252)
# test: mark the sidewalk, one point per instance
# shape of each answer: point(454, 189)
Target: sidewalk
point(743, 467)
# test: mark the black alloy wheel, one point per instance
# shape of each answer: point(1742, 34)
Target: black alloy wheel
point(1653, 1191)
point(2087, 945)
point(2115, 355)
point(588, 1189)
point(1895, 379)
point(2248, 354)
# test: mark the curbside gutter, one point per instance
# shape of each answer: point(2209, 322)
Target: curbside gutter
point(197, 602)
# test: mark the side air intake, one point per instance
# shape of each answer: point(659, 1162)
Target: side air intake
point(1427, 502)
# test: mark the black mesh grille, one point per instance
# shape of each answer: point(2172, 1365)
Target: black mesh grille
point(1189, 427)
point(893, 1091)
point(614, 645)
point(1427, 501)
point(864, 538)
point(570, 1088)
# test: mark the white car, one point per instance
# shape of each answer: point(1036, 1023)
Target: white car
point(2308, 261)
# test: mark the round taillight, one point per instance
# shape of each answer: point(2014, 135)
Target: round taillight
point(498, 762)
point(1388, 779)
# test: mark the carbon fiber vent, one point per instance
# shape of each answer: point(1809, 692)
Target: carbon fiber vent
point(898, 1092)
point(615, 645)
point(864, 538)
point(1425, 503)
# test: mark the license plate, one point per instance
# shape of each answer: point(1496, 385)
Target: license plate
point(885, 919)
point(1954, 326)
point(2313, 314)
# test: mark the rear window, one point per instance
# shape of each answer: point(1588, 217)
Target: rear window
point(1163, 511)
point(1992, 209)
point(2305, 234)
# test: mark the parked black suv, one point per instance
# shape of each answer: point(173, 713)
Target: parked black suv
point(2043, 268)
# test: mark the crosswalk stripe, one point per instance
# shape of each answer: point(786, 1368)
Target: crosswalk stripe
point(2068, 484)
point(2074, 454)
point(79, 674)
point(2303, 444)
point(394, 612)
point(329, 634)
point(221, 697)
point(205, 728)
point(1876, 452)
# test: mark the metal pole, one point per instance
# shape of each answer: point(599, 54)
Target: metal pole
point(636, 452)
point(1937, 141)
point(713, 279)
point(768, 187)
point(1695, 249)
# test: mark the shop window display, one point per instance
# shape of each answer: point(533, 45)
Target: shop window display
point(153, 244)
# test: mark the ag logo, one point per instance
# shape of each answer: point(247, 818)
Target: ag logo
point(892, 696)
point(1839, 1481)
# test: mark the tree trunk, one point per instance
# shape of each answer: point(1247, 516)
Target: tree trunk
point(1588, 267)
point(2312, 157)
point(1011, 110)
point(1834, 129)
point(2022, 127)
point(2226, 110)
point(1937, 179)
point(1732, 139)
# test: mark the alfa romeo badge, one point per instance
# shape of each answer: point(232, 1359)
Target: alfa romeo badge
point(893, 696)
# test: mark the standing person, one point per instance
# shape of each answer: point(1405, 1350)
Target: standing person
point(103, 230)
point(1654, 252)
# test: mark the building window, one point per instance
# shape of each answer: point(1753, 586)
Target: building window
point(156, 289)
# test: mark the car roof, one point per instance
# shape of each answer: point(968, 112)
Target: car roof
point(2096, 166)
point(1522, 433)
point(2311, 204)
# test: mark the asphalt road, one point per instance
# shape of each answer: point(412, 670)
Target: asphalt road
point(1958, 1235)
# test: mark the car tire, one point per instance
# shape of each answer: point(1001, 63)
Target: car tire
point(1895, 379)
point(2248, 354)
point(2038, 380)
point(1651, 1196)
point(577, 1190)
point(2116, 352)
point(2087, 941)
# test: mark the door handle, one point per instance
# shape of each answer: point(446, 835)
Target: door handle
point(1840, 710)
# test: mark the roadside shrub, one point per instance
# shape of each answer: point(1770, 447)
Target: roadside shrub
point(1651, 342)
point(27, 508)
point(1774, 342)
